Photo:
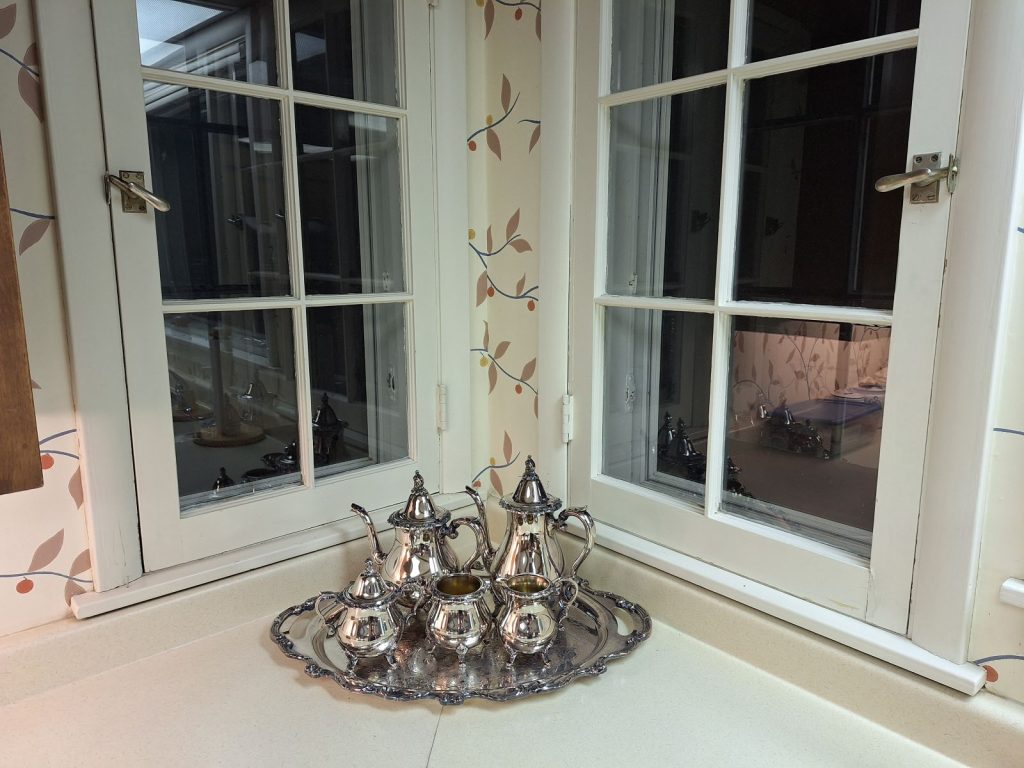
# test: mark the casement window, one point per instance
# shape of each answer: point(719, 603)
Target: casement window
point(281, 322)
point(754, 326)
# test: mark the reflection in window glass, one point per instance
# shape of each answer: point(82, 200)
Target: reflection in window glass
point(806, 401)
point(232, 39)
point(345, 48)
point(665, 178)
point(232, 380)
point(351, 201)
point(654, 41)
point(656, 397)
point(782, 27)
point(813, 230)
point(359, 386)
point(216, 158)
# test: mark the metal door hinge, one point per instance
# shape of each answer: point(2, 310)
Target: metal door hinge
point(566, 419)
point(442, 407)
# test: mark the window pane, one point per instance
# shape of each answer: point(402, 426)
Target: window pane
point(345, 48)
point(232, 378)
point(216, 158)
point(233, 39)
point(813, 230)
point(806, 401)
point(656, 394)
point(654, 41)
point(781, 27)
point(351, 201)
point(359, 385)
point(663, 194)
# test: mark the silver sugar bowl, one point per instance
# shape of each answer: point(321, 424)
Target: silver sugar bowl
point(530, 545)
point(421, 549)
point(458, 617)
point(365, 617)
point(527, 622)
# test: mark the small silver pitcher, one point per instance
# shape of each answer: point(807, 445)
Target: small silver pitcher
point(527, 622)
point(458, 617)
point(365, 617)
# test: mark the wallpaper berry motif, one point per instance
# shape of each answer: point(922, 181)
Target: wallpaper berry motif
point(44, 555)
point(503, 142)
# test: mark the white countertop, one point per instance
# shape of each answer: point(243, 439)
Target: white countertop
point(233, 698)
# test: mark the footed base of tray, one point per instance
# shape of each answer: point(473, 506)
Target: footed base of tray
point(599, 627)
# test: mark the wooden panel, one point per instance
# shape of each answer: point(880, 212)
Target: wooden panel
point(19, 442)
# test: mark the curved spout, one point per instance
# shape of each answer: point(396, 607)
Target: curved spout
point(371, 533)
point(482, 514)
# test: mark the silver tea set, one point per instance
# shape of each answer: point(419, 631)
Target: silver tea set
point(519, 596)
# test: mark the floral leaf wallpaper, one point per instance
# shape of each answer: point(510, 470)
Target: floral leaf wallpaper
point(44, 556)
point(504, 152)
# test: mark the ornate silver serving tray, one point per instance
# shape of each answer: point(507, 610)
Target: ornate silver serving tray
point(600, 627)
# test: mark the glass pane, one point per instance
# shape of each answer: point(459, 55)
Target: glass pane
point(359, 385)
point(806, 401)
point(665, 178)
point(781, 27)
point(656, 395)
point(216, 158)
point(345, 48)
point(233, 39)
point(654, 41)
point(351, 201)
point(232, 378)
point(813, 230)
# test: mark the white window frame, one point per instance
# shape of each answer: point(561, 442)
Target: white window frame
point(971, 338)
point(72, 100)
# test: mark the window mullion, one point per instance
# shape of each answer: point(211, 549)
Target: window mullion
point(732, 176)
point(284, 44)
point(303, 397)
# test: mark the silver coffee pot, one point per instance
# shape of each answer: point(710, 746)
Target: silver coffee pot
point(530, 545)
point(365, 617)
point(421, 548)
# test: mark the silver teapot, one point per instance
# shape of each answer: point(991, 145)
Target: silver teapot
point(527, 622)
point(421, 548)
point(530, 545)
point(365, 617)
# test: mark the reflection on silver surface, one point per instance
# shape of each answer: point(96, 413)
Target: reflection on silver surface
point(593, 636)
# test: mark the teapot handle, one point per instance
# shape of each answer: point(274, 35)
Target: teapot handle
point(319, 610)
point(565, 603)
point(482, 549)
point(581, 514)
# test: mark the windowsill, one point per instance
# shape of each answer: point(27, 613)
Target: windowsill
point(201, 663)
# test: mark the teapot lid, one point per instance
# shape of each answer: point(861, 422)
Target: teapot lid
point(369, 587)
point(530, 495)
point(419, 507)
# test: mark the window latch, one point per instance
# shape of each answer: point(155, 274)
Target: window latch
point(134, 196)
point(923, 178)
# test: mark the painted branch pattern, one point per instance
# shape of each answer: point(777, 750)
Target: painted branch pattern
point(493, 466)
point(485, 285)
point(517, 7)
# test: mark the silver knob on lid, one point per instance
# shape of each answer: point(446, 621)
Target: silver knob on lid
point(419, 506)
point(369, 585)
point(530, 489)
